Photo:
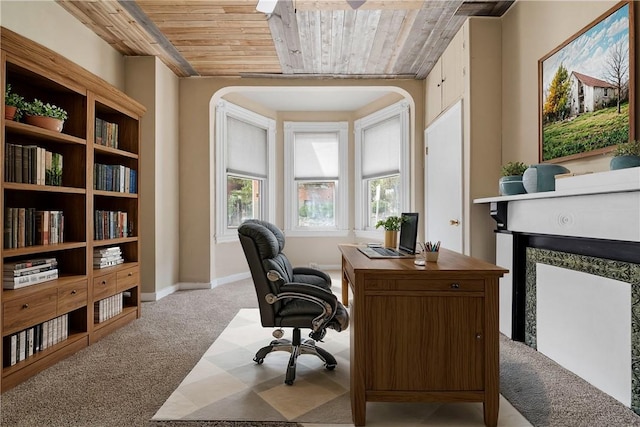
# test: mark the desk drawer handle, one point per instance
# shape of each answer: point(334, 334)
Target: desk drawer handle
point(25, 305)
point(478, 336)
point(73, 292)
point(130, 274)
point(455, 286)
point(104, 282)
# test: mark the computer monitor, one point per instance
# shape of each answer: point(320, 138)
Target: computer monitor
point(408, 232)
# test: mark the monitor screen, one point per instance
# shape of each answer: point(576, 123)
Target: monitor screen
point(408, 232)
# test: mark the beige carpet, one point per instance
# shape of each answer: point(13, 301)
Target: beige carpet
point(226, 384)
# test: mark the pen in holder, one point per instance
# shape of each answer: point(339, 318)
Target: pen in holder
point(430, 251)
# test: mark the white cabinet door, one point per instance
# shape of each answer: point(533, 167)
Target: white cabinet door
point(443, 180)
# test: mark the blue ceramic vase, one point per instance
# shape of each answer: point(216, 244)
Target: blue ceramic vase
point(623, 162)
point(511, 185)
point(538, 178)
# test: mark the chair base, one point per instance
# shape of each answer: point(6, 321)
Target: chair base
point(296, 347)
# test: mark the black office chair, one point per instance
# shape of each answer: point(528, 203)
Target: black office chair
point(298, 297)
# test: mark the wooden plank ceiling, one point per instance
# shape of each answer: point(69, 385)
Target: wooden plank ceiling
point(302, 38)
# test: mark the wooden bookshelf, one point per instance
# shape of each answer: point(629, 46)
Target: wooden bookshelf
point(37, 72)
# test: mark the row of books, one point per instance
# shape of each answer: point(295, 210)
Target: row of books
point(106, 133)
point(107, 257)
point(30, 164)
point(111, 225)
point(26, 343)
point(106, 308)
point(115, 178)
point(30, 227)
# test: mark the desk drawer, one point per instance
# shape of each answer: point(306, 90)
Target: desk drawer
point(127, 279)
point(24, 312)
point(104, 286)
point(467, 285)
point(72, 296)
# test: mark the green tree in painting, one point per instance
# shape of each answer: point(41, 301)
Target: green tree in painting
point(556, 106)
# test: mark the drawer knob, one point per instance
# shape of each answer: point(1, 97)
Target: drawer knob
point(73, 292)
point(104, 282)
point(455, 286)
point(130, 274)
point(25, 305)
point(478, 336)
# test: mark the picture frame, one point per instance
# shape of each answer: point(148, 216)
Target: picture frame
point(586, 89)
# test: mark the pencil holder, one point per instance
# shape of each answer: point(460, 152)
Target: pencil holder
point(431, 256)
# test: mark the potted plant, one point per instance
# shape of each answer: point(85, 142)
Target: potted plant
point(43, 115)
point(510, 182)
point(13, 104)
point(391, 225)
point(626, 155)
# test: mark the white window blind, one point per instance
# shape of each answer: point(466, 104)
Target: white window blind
point(381, 148)
point(316, 155)
point(246, 148)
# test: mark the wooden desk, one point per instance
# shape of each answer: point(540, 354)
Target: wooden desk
point(423, 334)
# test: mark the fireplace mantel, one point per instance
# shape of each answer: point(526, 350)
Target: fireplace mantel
point(573, 291)
point(604, 205)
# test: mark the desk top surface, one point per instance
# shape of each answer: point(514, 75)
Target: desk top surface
point(448, 262)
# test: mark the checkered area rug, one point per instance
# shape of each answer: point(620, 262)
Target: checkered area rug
point(226, 384)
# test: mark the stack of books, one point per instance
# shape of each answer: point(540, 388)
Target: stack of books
point(107, 257)
point(26, 343)
point(106, 308)
point(29, 272)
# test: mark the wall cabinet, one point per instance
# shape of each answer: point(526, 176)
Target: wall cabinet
point(445, 82)
point(103, 128)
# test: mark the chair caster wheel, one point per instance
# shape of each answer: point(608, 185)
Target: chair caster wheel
point(258, 360)
point(288, 382)
point(330, 367)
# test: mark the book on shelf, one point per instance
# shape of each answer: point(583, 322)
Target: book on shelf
point(17, 265)
point(29, 342)
point(30, 270)
point(29, 227)
point(107, 308)
point(106, 133)
point(29, 279)
point(30, 164)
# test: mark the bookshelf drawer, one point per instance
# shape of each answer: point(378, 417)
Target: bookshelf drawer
point(128, 278)
point(104, 286)
point(24, 312)
point(72, 296)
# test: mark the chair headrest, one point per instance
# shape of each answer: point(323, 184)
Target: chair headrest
point(267, 237)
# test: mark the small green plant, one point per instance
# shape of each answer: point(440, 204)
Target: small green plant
point(631, 148)
point(513, 169)
point(39, 108)
point(12, 99)
point(391, 223)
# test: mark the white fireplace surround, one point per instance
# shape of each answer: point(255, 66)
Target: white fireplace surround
point(603, 205)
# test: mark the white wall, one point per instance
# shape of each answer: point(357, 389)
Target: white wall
point(47, 23)
point(150, 81)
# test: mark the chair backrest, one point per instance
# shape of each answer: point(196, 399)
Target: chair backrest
point(262, 243)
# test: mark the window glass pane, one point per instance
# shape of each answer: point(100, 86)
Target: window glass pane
point(243, 200)
point(246, 148)
point(316, 204)
point(381, 148)
point(383, 198)
point(316, 155)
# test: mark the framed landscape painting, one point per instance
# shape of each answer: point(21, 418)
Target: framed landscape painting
point(586, 89)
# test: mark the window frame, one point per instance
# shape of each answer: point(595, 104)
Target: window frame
point(341, 209)
point(224, 110)
point(401, 110)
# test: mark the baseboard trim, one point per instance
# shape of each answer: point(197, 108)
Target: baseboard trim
point(188, 286)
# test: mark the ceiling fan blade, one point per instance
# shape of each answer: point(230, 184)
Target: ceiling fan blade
point(356, 3)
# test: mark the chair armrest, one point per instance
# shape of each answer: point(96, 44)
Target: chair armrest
point(312, 272)
point(327, 301)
